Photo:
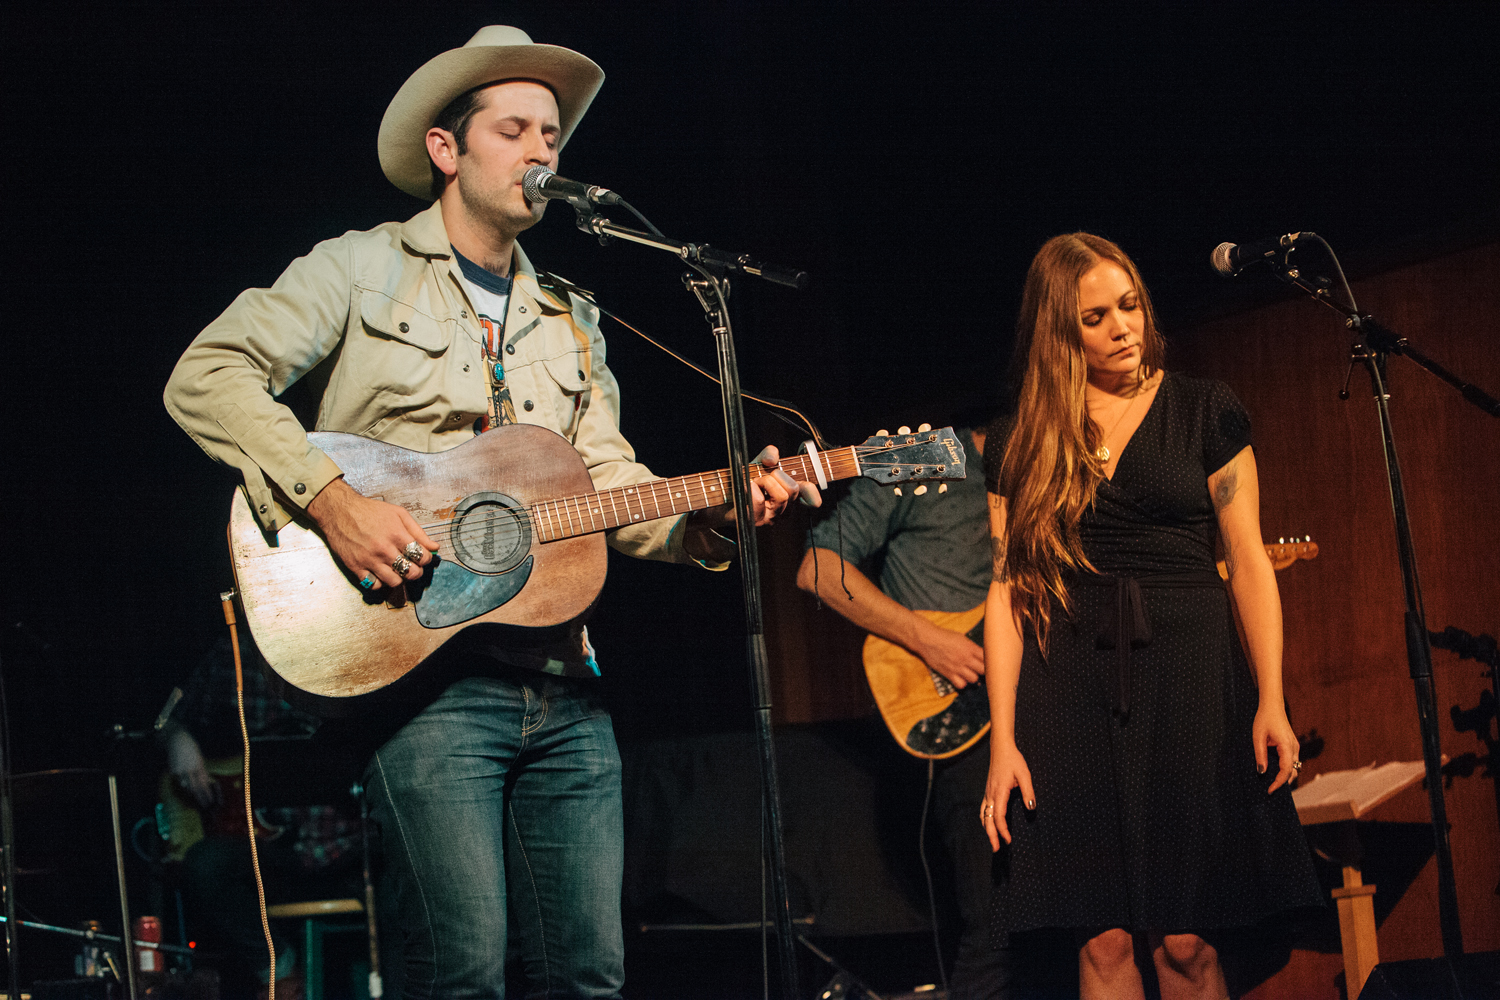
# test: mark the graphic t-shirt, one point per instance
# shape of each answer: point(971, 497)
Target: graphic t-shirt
point(490, 295)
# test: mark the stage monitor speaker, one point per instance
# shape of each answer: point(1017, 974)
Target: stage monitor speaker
point(1478, 978)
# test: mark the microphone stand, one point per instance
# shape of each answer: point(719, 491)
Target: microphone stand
point(709, 282)
point(8, 850)
point(1375, 345)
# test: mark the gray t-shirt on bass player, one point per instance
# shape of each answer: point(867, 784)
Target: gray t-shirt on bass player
point(936, 546)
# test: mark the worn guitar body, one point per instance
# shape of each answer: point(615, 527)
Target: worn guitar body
point(328, 639)
point(520, 533)
point(924, 712)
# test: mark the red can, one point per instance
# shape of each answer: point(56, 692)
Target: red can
point(148, 959)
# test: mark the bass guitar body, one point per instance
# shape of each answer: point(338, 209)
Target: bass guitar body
point(329, 640)
point(928, 716)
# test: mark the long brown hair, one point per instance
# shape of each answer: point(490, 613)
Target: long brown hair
point(1050, 474)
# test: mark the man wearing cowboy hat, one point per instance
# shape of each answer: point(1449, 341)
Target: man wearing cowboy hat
point(502, 791)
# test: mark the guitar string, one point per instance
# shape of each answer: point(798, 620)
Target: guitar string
point(579, 506)
point(575, 508)
point(566, 511)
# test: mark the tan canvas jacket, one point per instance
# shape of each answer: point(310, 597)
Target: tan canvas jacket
point(383, 317)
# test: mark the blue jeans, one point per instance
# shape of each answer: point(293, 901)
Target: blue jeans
point(499, 809)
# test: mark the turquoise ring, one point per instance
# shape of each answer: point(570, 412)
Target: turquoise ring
point(367, 582)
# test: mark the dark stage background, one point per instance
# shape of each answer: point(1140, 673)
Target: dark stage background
point(165, 156)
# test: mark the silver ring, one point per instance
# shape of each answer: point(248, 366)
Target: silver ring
point(401, 565)
point(1296, 765)
point(413, 551)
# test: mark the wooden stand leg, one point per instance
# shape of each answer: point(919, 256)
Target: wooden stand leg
point(1356, 903)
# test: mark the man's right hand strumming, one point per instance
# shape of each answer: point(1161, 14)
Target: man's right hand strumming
point(953, 655)
point(371, 538)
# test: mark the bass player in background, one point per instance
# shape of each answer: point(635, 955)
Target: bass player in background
point(933, 548)
point(498, 799)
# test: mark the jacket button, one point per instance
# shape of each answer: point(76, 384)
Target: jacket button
point(300, 488)
point(456, 417)
point(510, 348)
point(405, 328)
point(263, 508)
point(463, 313)
point(580, 376)
point(522, 309)
point(529, 405)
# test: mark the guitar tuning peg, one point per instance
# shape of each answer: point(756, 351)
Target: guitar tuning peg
point(898, 491)
point(923, 427)
point(1281, 541)
point(903, 429)
point(943, 488)
point(1307, 538)
point(882, 433)
point(920, 489)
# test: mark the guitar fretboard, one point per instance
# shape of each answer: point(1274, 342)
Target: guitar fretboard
point(639, 502)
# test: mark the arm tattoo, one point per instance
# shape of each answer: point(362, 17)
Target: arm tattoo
point(997, 559)
point(1229, 485)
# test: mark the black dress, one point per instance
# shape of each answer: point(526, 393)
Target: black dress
point(1150, 813)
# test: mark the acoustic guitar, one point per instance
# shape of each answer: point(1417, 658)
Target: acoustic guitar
point(520, 533)
point(932, 719)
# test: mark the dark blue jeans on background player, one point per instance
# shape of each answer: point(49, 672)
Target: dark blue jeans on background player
point(980, 972)
point(498, 808)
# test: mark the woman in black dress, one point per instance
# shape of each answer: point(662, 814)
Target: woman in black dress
point(1151, 760)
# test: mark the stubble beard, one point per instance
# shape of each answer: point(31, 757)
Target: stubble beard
point(493, 209)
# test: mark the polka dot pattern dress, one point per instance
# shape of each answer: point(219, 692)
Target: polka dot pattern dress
point(1155, 819)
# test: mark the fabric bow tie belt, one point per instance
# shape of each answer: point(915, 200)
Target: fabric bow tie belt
point(1130, 627)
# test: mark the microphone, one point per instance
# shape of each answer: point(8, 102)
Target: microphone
point(1230, 259)
point(540, 184)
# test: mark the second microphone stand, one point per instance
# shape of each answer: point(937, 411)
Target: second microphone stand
point(1372, 350)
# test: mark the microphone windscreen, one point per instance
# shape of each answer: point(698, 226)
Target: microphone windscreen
point(531, 184)
point(1219, 258)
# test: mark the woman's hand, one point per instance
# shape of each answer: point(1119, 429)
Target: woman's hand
point(1008, 770)
point(1273, 729)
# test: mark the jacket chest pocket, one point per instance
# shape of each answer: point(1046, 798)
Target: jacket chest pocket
point(400, 350)
point(569, 378)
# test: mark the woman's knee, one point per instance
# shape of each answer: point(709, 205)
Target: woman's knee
point(1110, 949)
point(1188, 954)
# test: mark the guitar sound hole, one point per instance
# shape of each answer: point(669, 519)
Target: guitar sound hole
point(491, 533)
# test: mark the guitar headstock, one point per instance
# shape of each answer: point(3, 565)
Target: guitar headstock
point(1285, 551)
point(909, 456)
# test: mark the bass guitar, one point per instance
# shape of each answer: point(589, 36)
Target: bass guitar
point(930, 718)
point(520, 533)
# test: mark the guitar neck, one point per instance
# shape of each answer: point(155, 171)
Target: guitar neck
point(637, 503)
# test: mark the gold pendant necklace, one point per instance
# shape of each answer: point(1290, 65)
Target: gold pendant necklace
point(1102, 452)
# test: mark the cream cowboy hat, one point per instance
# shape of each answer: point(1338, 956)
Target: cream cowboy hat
point(498, 52)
